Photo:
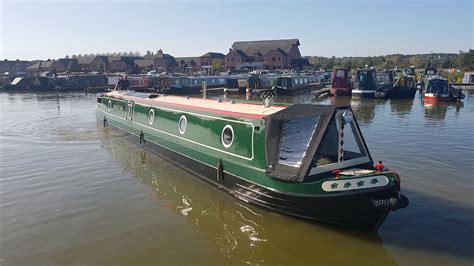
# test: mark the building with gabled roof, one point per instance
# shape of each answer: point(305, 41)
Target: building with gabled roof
point(208, 58)
point(188, 64)
point(13, 66)
point(44, 66)
point(145, 64)
point(274, 54)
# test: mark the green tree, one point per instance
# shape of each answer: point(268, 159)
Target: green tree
point(216, 65)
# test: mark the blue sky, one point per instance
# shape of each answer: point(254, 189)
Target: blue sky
point(52, 29)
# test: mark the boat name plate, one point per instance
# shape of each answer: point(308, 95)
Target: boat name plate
point(355, 183)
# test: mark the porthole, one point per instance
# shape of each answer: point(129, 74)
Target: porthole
point(227, 136)
point(151, 116)
point(183, 124)
point(109, 105)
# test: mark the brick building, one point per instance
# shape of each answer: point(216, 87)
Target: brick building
point(188, 64)
point(272, 54)
point(207, 58)
point(13, 66)
point(145, 65)
point(93, 63)
point(164, 62)
point(46, 66)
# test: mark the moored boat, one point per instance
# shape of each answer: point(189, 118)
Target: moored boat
point(303, 160)
point(30, 83)
point(296, 84)
point(188, 85)
point(437, 88)
point(83, 82)
point(396, 85)
point(365, 83)
point(341, 82)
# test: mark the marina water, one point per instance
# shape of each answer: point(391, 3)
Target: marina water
point(75, 193)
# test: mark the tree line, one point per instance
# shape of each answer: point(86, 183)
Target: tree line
point(136, 53)
point(461, 60)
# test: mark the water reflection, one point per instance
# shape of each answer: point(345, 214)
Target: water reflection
point(243, 233)
point(365, 109)
point(65, 199)
point(401, 107)
point(436, 111)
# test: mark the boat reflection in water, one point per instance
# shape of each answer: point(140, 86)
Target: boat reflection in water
point(243, 233)
point(401, 107)
point(435, 111)
point(366, 109)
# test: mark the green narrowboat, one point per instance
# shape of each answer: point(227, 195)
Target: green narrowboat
point(304, 160)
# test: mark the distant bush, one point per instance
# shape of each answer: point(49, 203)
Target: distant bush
point(462, 60)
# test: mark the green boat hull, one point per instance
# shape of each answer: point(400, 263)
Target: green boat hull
point(240, 169)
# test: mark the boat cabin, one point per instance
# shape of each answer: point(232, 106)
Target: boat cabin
point(437, 86)
point(211, 81)
point(468, 78)
point(236, 82)
point(307, 142)
point(295, 81)
point(365, 79)
point(385, 78)
point(340, 78)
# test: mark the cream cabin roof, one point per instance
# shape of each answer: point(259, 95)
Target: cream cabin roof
point(208, 105)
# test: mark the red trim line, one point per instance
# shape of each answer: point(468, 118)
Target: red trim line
point(434, 98)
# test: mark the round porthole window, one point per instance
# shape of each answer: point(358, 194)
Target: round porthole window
point(109, 105)
point(151, 116)
point(227, 136)
point(183, 124)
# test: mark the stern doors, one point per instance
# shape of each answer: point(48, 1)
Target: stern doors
point(129, 111)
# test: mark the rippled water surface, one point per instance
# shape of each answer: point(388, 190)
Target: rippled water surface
point(74, 193)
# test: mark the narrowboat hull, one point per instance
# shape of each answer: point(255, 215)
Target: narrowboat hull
point(198, 145)
point(363, 93)
point(296, 90)
point(398, 92)
point(353, 210)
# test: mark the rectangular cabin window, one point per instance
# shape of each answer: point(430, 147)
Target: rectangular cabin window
point(296, 135)
point(340, 73)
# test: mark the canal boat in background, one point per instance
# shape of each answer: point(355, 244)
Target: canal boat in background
point(308, 161)
point(296, 84)
point(187, 85)
point(341, 82)
point(97, 82)
point(468, 78)
point(395, 85)
point(365, 83)
point(437, 88)
point(427, 73)
point(30, 83)
point(236, 83)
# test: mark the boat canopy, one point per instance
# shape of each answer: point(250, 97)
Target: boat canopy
point(306, 140)
point(437, 86)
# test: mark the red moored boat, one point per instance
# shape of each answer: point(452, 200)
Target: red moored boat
point(437, 89)
point(341, 82)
